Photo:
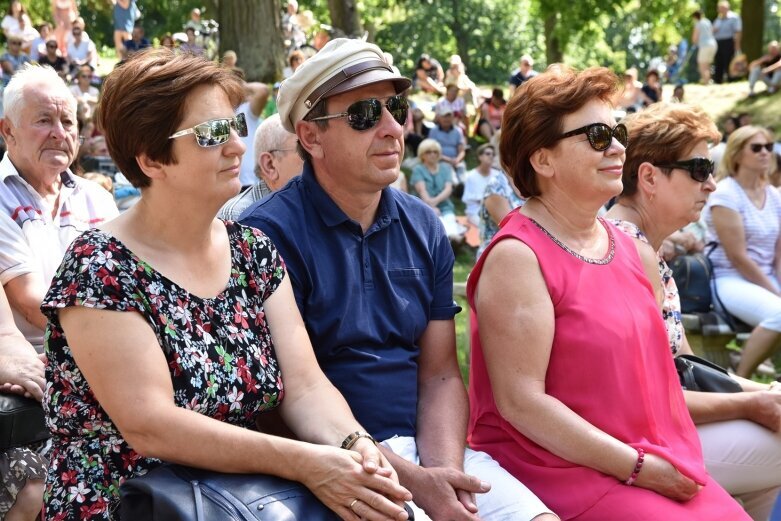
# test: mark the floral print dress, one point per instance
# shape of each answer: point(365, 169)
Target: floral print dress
point(219, 351)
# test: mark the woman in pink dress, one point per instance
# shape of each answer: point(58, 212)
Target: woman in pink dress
point(64, 12)
point(572, 387)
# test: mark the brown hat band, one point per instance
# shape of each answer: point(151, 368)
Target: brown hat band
point(342, 76)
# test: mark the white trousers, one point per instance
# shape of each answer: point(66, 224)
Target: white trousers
point(508, 499)
point(745, 459)
point(752, 304)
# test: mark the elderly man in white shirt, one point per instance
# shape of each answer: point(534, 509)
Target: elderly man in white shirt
point(276, 162)
point(43, 205)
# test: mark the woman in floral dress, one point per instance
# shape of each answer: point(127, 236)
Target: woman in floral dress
point(170, 331)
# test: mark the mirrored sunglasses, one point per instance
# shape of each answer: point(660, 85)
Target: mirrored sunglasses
point(600, 135)
point(699, 168)
point(364, 114)
point(757, 147)
point(215, 131)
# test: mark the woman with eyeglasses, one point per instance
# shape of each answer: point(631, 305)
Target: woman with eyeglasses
point(171, 330)
point(572, 388)
point(744, 217)
point(667, 180)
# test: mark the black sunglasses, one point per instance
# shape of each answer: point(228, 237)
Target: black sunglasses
point(364, 114)
point(757, 147)
point(600, 135)
point(699, 168)
point(215, 131)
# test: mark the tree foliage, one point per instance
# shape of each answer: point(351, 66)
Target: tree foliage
point(489, 35)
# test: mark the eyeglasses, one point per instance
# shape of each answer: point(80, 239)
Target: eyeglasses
point(51, 45)
point(600, 135)
point(364, 114)
point(273, 150)
point(699, 168)
point(215, 131)
point(757, 147)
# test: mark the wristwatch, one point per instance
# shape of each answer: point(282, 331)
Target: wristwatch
point(351, 439)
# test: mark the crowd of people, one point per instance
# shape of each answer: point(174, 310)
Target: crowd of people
point(245, 262)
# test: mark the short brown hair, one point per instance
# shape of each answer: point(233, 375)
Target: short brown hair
point(533, 117)
point(143, 103)
point(662, 133)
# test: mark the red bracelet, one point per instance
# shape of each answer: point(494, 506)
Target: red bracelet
point(638, 467)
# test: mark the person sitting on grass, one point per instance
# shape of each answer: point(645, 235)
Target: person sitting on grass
point(452, 141)
point(432, 182)
point(491, 112)
point(476, 181)
point(766, 68)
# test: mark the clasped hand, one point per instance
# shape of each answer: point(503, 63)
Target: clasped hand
point(446, 493)
point(23, 375)
point(357, 484)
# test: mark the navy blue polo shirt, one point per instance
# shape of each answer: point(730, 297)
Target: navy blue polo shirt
point(365, 298)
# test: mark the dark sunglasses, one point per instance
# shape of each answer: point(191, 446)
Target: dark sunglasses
point(757, 147)
point(364, 114)
point(51, 45)
point(600, 135)
point(215, 131)
point(699, 168)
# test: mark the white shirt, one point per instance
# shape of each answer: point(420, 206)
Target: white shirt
point(474, 190)
point(78, 53)
point(91, 96)
point(31, 241)
point(247, 171)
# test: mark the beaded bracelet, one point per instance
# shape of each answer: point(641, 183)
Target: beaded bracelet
point(638, 467)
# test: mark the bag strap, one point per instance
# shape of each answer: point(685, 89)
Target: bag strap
point(685, 372)
point(727, 316)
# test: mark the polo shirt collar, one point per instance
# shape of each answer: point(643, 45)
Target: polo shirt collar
point(8, 170)
point(332, 215)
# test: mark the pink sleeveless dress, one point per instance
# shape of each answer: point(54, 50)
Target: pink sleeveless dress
point(610, 363)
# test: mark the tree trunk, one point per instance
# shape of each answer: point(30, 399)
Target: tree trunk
point(253, 29)
point(462, 36)
point(753, 14)
point(553, 51)
point(345, 16)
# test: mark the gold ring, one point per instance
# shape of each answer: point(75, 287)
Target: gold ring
point(353, 503)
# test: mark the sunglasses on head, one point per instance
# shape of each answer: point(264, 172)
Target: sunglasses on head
point(600, 135)
point(364, 114)
point(757, 147)
point(215, 131)
point(699, 168)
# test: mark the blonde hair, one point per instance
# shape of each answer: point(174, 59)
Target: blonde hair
point(735, 143)
point(426, 145)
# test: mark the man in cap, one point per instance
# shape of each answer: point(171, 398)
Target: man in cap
point(451, 139)
point(371, 270)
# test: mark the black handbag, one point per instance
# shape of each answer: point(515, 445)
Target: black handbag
point(692, 274)
point(698, 374)
point(21, 421)
point(178, 493)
